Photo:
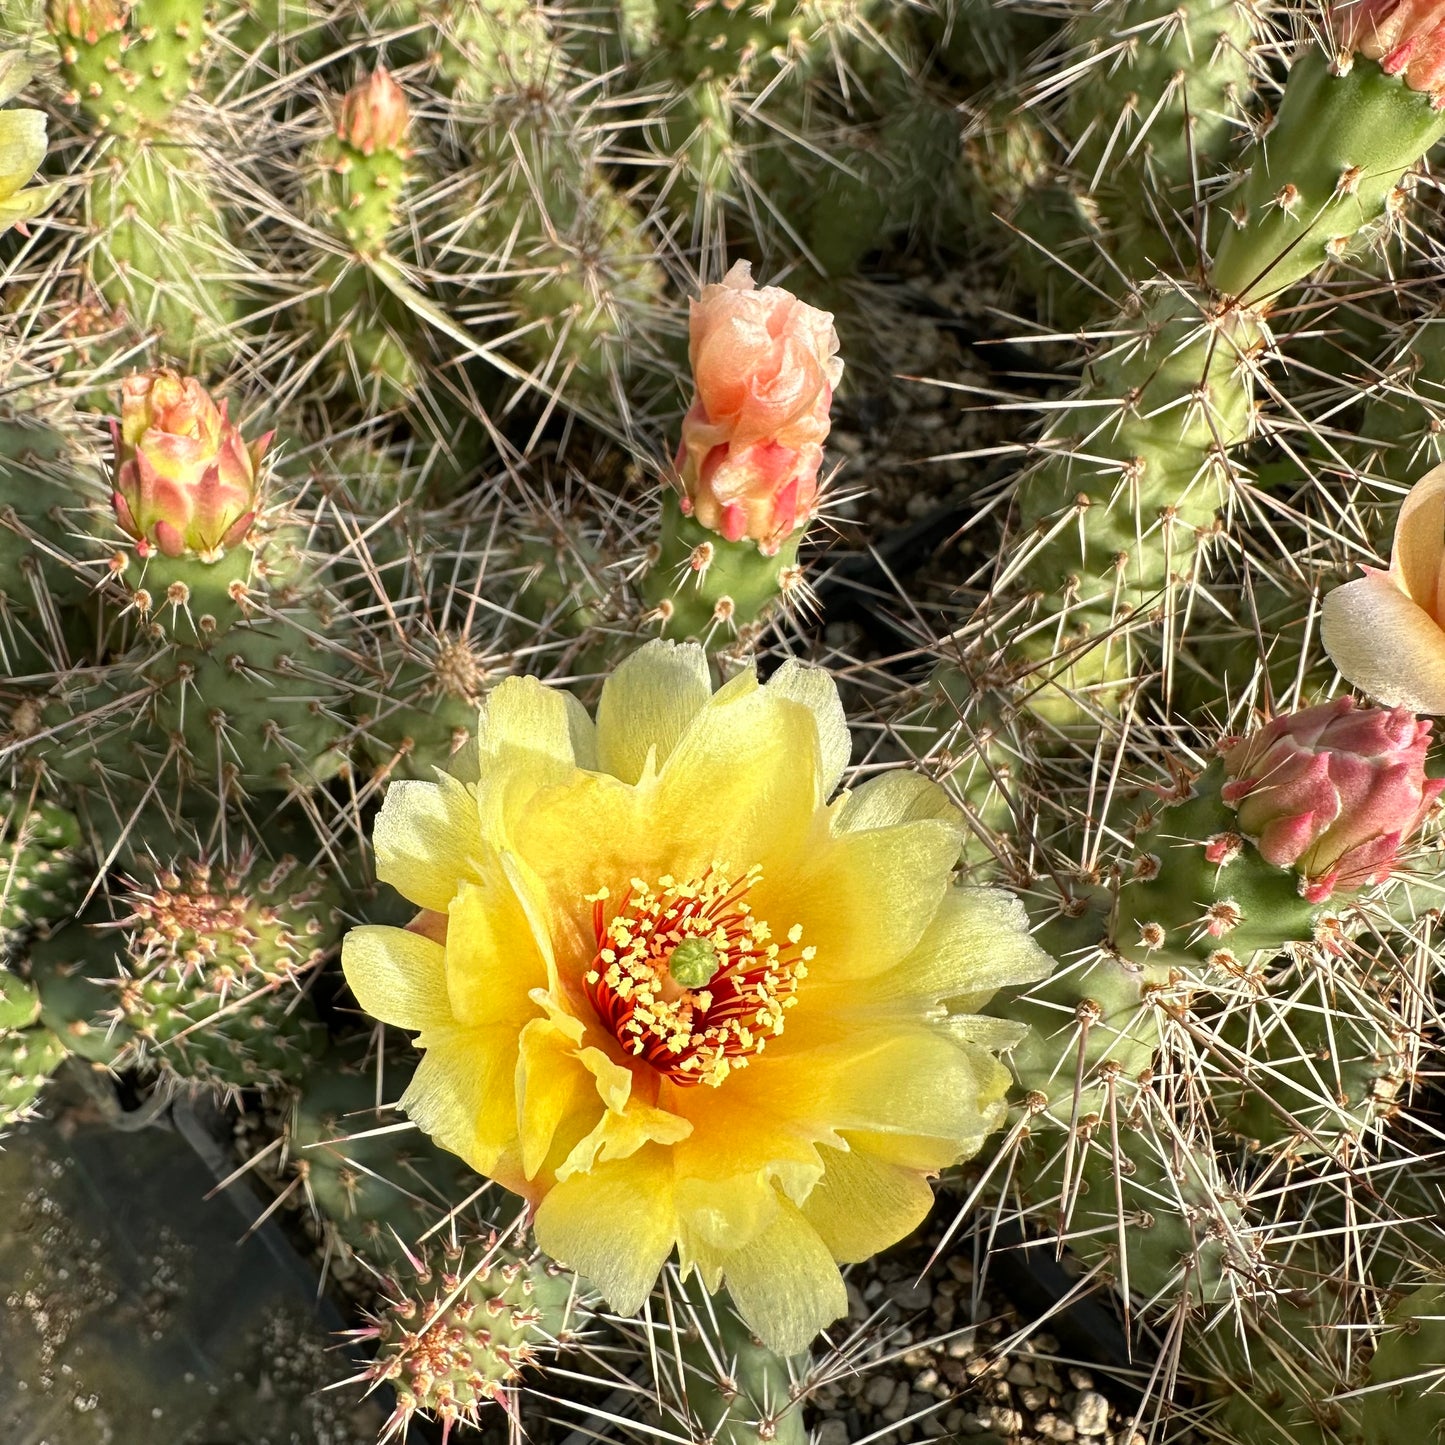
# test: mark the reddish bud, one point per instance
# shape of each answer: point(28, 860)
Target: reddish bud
point(1407, 37)
point(1333, 791)
point(185, 481)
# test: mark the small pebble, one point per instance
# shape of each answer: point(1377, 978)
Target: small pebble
point(1081, 1379)
point(1091, 1413)
point(831, 1432)
point(880, 1390)
point(897, 1407)
point(1005, 1421)
point(909, 1294)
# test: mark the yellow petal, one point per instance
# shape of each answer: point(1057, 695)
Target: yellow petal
point(722, 1215)
point(26, 205)
point(529, 737)
point(863, 1204)
point(550, 1083)
point(464, 1095)
point(647, 704)
point(894, 797)
point(864, 899)
point(740, 788)
point(495, 954)
point(619, 1135)
point(22, 148)
point(977, 943)
point(914, 1152)
point(1418, 555)
point(785, 1284)
point(743, 784)
point(397, 976)
point(427, 840)
point(906, 1079)
point(615, 1225)
point(1385, 644)
point(752, 1125)
point(815, 689)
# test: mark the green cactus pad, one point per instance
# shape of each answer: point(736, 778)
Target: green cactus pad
point(457, 1329)
point(28, 1057)
point(703, 586)
point(42, 878)
point(202, 981)
point(1336, 153)
point(130, 67)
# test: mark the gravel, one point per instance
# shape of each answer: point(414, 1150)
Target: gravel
point(934, 1369)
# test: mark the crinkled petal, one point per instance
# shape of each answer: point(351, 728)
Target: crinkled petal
point(647, 704)
point(427, 841)
point(864, 1204)
point(15, 72)
point(911, 1080)
point(496, 954)
point(529, 737)
point(744, 779)
point(740, 788)
point(1385, 644)
point(550, 1083)
point(619, 1135)
point(717, 1216)
point(615, 1225)
point(26, 205)
point(894, 797)
point(397, 976)
point(785, 1284)
point(977, 943)
point(815, 689)
point(995, 1035)
point(864, 899)
point(463, 1095)
point(755, 1124)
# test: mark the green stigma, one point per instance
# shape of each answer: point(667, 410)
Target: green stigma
point(694, 962)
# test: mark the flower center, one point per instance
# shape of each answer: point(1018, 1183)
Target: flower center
point(687, 979)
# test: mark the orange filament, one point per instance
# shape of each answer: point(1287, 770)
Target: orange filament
point(692, 1035)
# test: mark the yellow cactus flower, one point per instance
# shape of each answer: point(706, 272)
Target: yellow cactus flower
point(22, 148)
point(675, 997)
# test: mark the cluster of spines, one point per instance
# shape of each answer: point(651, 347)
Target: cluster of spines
point(457, 1326)
point(202, 976)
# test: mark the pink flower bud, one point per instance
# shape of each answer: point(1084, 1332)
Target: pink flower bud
point(184, 479)
point(1333, 792)
point(1407, 37)
point(765, 366)
point(374, 115)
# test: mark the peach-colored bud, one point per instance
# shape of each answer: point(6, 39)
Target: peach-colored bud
point(184, 478)
point(1386, 631)
point(374, 115)
point(85, 20)
point(1407, 37)
point(765, 365)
